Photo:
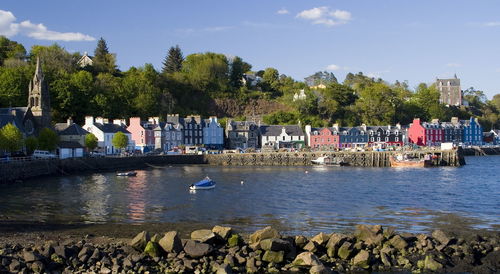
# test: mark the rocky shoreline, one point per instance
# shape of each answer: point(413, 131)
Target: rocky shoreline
point(223, 250)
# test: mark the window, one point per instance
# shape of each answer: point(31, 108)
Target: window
point(387, 139)
point(378, 139)
point(396, 139)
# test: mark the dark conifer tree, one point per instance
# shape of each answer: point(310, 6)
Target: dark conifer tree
point(173, 61)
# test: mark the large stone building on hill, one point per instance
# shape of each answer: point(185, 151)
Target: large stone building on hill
point(450, 91)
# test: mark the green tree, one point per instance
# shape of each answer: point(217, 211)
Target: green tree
point(103, 60)
point(238, 68)
point(377, 104)
point(11, 138)
point(207, 72)
point(54, 59)
point(91, 141)
point(10, 50)
point(120, 140)
point(31, 144)
point(321, 77)
point(281, 118)
point(495, 101)
point(173, 60)
point(48, 139)
point(14, 83)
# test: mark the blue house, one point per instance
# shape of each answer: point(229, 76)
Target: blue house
point(353, 137)
point(473, 132)
point(213, 134)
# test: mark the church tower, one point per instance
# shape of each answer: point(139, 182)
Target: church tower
point(39, 98)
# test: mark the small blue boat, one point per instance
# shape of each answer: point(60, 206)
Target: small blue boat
point(206, 183)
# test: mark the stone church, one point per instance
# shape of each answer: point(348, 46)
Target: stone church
point(31, 119)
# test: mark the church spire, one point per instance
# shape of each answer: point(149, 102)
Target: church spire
point(39, 97)
point(38, 77)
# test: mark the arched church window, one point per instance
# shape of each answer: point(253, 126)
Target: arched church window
point(32, 101)
point(36, 102)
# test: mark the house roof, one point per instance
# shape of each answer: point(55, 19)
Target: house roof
point(275, 130)
point(73, 129)
point(69, 144)
point(13, 116)
point(111, 128)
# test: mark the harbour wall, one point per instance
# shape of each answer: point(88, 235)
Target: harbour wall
point(17, 170)
point(481, 151)
point(358, 159)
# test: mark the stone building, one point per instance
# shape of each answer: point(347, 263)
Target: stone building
point(450, 91)
point(242, 134)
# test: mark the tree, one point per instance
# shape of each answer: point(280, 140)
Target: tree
point(173, 60)
point(48, 139)
point(91, 141)
point(31, 144)
point(208, 72)
point(321, 77)
point(120, 140)
point(103, 60)
point(238, 68)
point(14, 83)
point(11, 138)
point(378, 104)
point(10, 50)
point(495, 101)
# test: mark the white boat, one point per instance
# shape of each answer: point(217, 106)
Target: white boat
point(128, 173)
point(327, 160)
point(206, 183)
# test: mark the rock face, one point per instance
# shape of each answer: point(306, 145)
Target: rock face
point(171, 242)
point(197, 250)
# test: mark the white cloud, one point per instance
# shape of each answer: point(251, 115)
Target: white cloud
point(283, 11)
point(325, 16)
point(9, 28)
point(334, 67)
point(453, 65)
point(491, 24)
point(216, 29)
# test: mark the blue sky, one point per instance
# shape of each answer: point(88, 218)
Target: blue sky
point(392, 39)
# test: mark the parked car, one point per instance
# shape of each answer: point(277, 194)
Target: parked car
point(43, 154)
point(96, 154)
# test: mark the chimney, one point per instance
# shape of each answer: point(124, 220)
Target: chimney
point(154, 120)
point(89, 120)
point(336, 127)
point(100, 120)
point(435, 121)
point(416, 121)
point(363, 126)
point(398, 126)
point(69, 122)
point(454, 120)
point(120, 122)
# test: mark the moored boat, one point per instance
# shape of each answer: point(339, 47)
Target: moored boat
point(206, 183)
point(329, 161)
point(128, 173)
point(402, 161)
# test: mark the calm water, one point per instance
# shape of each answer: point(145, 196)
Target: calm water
point(323, 199)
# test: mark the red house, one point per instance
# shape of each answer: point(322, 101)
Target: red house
point(323, 139)
point(425, 134)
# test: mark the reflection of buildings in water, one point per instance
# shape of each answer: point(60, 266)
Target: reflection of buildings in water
point(95, 197)
point(136, 189)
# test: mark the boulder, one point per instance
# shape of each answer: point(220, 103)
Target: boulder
point(319, 269)
point(275, 244)
point(306, 259)
point(371, 235)
point(362, 259)
point(234, 240)
point(197, 250)
point(203, 235)
point(431, 264)
point(311, 246)
point(273, 256)
point(300, 241)
point(333, 244)
point(30, 256)
point(140, 241)
point(398, 242)
point(345, 250)
point(441, 237)
point(262, 234)
point(171, 242)
point(156, 238)
point(152, 249)
point(224, 269)
point(222, 231)
point(321, 238)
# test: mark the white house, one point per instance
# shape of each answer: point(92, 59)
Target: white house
point(70, 149)
point(299, 96)
point(277, 136)
point(105, 131)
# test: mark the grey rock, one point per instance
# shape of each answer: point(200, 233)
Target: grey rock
point(197, 250)
point(398, 242)
point(224, 269)
point(171, 242)
point(275, 244)
point(86, 250)
point(321, 238)
point(273, 256)
point(140, 241)
point(362, 259)
point(345, 250)
point(262, 234)
point(222, 231)
point(441, 237)
point(105, 270)
point(30, 256)
point(319, 269)
point(15, 265)
point(300, 241)
point(306, 259)
point(371, 235)
point(203, 235)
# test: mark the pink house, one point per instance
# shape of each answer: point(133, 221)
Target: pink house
point(142, 132)
point(425, 134)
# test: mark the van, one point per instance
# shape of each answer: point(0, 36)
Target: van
point(43, 154)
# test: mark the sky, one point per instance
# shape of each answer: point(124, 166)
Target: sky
point(414, 41)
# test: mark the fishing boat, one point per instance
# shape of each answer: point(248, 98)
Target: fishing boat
point(403, 161)
point(128, 173)
point(206, 183)
point(328, 161)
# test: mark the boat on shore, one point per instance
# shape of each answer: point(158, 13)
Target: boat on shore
point(126, 174)
point(403, 161)
point(328, 161)
point(206, 183)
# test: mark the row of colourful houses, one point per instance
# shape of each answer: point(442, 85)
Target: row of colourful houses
point(175, 131)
